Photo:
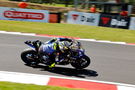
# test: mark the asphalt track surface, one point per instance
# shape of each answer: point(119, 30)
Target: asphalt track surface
point(109, 62)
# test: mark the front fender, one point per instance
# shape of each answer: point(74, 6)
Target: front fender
point(81, 52)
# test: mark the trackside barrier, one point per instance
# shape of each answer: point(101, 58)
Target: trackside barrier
point(19, 14)
point(54, 17)
point(114, 21)
point(83, 18)
point(132, 23)
point(105, 20)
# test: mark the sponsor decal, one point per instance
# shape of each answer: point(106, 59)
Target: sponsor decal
point(23, 15)
point(121, 22)
point(83, 18)
point(75, 16)
point(105, 20)
point(87, 19)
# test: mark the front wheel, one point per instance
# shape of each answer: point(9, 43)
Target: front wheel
point(28, 56)
point(81, 63)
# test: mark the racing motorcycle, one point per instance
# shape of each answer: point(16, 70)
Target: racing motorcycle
point(76, 55)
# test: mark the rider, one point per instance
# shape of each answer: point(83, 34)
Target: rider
point(51, 50)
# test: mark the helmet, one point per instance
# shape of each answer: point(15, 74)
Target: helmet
point(64, 45)
point(75, 46)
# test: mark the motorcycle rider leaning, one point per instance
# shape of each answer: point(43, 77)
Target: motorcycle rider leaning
point(50, 51)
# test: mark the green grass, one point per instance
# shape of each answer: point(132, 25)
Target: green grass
point(58, 5)
point(18, 86)
point(82, 31)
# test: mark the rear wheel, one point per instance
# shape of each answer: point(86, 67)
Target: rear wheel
point(29, 57)
point(82, 62)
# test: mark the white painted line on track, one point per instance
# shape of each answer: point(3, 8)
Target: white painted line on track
point(28, 34)
point(24, 78)
point(104, 41)
point(2, 31)
point(18, 33)
point(125, 88)
point(13, 33)
point(87, 39)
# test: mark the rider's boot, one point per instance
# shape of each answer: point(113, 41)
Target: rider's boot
point(52, 65)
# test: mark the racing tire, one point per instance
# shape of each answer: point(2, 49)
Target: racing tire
point(82, 63)
point(27, 57)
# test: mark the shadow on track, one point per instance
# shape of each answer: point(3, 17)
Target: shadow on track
point(74, 72)
point(82, 73)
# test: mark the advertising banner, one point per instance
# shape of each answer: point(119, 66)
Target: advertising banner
point(24, 14)
point(114, 21)
point(105, 20)
point(120, 22)
point(132, 23)
point(83, 18)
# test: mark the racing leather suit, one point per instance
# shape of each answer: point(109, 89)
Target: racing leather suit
point(50, 50)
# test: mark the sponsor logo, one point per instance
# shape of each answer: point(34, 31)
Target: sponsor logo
point(88, 19)
point(24, 15)
point(105, 20)
point(75, 16)
point(122, 22)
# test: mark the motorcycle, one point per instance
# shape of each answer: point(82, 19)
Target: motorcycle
point(76, 56)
